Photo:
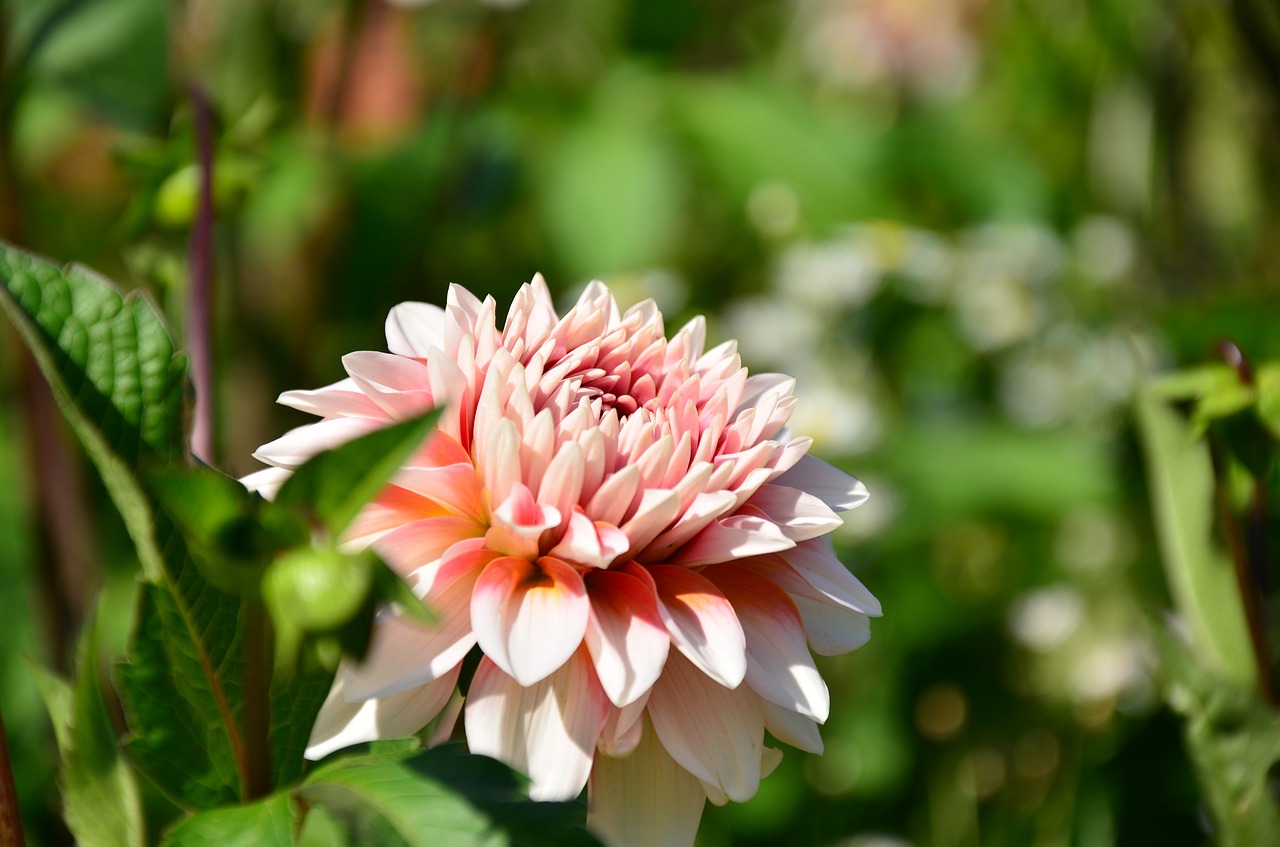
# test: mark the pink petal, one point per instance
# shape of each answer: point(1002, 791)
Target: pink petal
point(561, 485)
point(298, 445)
point(645, 799)
point(799, 515)
point(398, 385)
point(715, 733)
point(792, 728)
point(547, 730)
point(657, 509)
point(420, 543)
point(816, 562)
point(735, 537)
point(625, 634)
point(266, 481)
point(519, 522)
point(455, 487)
point(344, 722)
point(833, 486)
point(341, 399)
point(702, 623)
point(623, 728)
point(405, 653)
point(613, 498)
point(779, 667)
point(414, 328)
point(529, 618)
point(832, 630)
point(592, 543)
point(706, 507)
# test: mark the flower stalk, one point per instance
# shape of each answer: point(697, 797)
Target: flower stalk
point(10, 820)
point(200, 293)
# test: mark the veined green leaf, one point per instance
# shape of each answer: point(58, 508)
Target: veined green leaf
point(1201, 578)
point(101, 803)
point(335, 485)
point(270, 822)
point(440, 798)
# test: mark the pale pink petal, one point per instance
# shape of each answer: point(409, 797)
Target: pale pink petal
point(298, 445)
point(529, 617)
point(830, 484)
point(406, 653)
point(735, 537)
point(832, 630)
point(519, 523)
point(702, 623)
point(341, 399)
point(547, 731)
point(622, 728)
point(344, 722)
point(657, 509)
point(414, 328)
point(817, 563)
point(592, 543)
point(706, 507)
point(398, 385)
point(420, 543)
point(561, 485)
point(799, 515)
point(792, 728)
point(645, 799)
point(266, 481)
point(613, 498)
point(625, 634)
point(715, 733)
point(779, 667)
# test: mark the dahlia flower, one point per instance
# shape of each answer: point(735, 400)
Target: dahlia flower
point(622, 525)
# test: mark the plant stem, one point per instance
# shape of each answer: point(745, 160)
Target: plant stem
point(200, 304)
point(257, 700)
point(10, 820)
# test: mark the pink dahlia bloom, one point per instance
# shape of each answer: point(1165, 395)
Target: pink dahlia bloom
point(624, 527)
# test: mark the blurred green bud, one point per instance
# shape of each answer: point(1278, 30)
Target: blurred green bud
point(317, 590)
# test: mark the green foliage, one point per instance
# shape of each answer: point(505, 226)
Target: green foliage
point(265, 823)
point(101, 802)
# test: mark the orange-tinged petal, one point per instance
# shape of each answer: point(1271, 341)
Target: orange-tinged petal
point(625, 634)
point(702, 623)
point(529, 617)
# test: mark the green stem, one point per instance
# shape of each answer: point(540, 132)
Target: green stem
point(10, 820)
point(257, 701)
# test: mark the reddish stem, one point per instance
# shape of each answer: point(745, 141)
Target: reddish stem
point(201, 300)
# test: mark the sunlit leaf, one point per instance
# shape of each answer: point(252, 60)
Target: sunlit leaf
point(266, 823)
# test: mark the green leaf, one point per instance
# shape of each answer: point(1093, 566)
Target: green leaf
point(270, 822)
point(114, 371)
point(440, 798)
point(335, 485)
point(1234, 742)
point(101, 803)
point(1201, 577)
point(1267, 380)
point(186, 733)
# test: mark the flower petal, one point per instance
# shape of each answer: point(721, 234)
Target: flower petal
point(547, 731)
point(816, 561)
point(414, 328)
point(625, 634)
point(622, 728)
point(592, 543)
point(799, 515)
point(833, 486)
point(298, 445)
point(529, 618)
point(792, 728)
point(715, 733)
point(832, 630)
point(779, 667)
point(344, 722)
point(341, 399)
point(398, 385)
point(702, 623)
point(519, 523)
point(737, 536)
point(645, 799)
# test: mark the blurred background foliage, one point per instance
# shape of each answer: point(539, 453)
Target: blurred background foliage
point(971, 228)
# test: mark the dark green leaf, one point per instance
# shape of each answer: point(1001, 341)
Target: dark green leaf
point(267, 823)
point(100, 799)
point(185, 734)
point(335, 485)
point(440, 798)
